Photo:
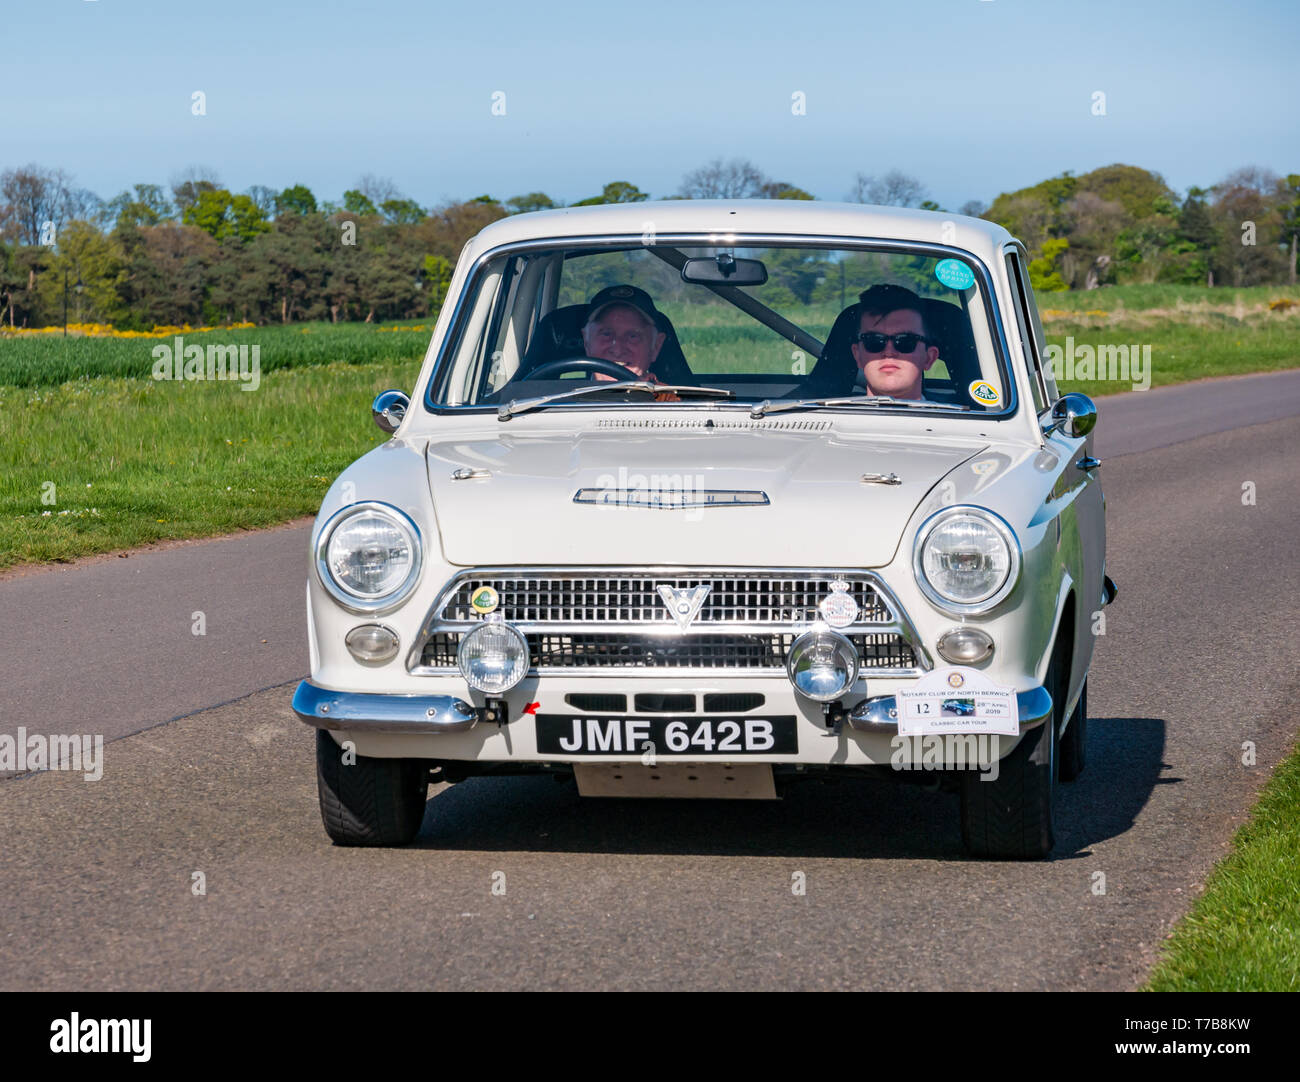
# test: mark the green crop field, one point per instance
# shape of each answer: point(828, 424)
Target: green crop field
point(50, 359)
point(128, 460)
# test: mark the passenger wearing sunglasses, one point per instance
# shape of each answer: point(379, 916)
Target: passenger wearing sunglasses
point(892, 348)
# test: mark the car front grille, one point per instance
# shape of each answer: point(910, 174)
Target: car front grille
point(612, 650)
point(635, 599)
point(615, 620)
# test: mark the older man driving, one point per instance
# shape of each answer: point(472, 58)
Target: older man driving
point(621, 327)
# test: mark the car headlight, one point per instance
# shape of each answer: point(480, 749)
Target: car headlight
point(966, 559)
point(368, 556)
point(493, 657)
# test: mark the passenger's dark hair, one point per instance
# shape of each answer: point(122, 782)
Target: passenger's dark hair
point(880, 300)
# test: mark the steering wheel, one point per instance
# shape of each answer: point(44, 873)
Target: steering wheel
point(590, 365)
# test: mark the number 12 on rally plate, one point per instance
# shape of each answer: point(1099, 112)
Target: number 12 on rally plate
point(957, 700)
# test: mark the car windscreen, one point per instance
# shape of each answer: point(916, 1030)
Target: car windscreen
point(763, 322)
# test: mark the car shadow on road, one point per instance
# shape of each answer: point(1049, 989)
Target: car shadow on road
point(1125, 762)
point(849, 817)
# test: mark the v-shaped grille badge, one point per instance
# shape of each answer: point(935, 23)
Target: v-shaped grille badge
point(684, 604)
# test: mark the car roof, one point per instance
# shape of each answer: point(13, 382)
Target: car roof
point(749, 216)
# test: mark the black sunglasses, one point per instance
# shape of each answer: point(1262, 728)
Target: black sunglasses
point(904, 343)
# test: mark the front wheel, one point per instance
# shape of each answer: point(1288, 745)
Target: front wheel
point(369, 801)
point(1076, 736)
point(1011, 817)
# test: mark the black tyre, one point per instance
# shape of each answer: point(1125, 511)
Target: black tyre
point(1011, 817)
point(370, 801)
point(1074, 739)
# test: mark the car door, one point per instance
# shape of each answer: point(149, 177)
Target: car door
point(1081, 503)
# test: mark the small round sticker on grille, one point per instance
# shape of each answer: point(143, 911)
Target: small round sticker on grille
point(838, 607)
point(484, 600)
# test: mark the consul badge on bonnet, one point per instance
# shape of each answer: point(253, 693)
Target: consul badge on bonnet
point(838, 608)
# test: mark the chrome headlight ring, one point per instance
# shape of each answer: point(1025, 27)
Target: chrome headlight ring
point(1000, 526)
point(360, 603)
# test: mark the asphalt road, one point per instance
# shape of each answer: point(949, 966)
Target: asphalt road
point(97, 878)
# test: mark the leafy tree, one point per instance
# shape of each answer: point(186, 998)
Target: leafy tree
point(295, 200)
point(402, 211)
point(85, 255)
point(437, 274)
point(1249, 200)
point(148, 206)
point(221, 214)
point(618, 191)
point(796, 270)
point(779, 189)
point(1042, 276)
point(167, 268)
point(355, 202)
point(524, 204)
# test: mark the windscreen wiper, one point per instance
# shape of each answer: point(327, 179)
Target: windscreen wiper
point(522, 405)
point(768, 406)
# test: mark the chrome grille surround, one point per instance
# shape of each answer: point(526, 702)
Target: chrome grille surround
point(613, 621)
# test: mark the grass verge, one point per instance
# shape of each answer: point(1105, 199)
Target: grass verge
point(128, 461)
point(1243, 933)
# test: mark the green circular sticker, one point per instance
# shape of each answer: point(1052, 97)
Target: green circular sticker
point(954, 274)
point(484, 600)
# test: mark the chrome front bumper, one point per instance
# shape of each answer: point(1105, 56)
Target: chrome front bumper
point(881, 715)
point(381, 713)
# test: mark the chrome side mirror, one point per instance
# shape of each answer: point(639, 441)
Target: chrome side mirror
point(388, 409)
point(1074, 414)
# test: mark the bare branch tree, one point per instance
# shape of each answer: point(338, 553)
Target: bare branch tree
point(737, 179)
point(894, 189)
point(974, 208)
point(379, 190)
point(188, 185)
point(81, 204)
point(1251, 178)
point(30, 197)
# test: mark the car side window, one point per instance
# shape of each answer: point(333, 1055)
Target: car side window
point(1031, 332)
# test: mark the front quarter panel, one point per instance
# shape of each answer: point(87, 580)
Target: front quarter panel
point(393, 473)
point(1016, 483)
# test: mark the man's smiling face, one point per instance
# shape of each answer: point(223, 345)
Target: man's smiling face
point(889, 371)
point(624, 335)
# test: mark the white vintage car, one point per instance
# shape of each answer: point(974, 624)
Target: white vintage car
point(707, 498)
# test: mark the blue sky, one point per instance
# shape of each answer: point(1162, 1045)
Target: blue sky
point(973, 97)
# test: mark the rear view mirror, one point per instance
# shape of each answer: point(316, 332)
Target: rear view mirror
point(724, 269)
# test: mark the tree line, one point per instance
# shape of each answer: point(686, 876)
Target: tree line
point(198, 253)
